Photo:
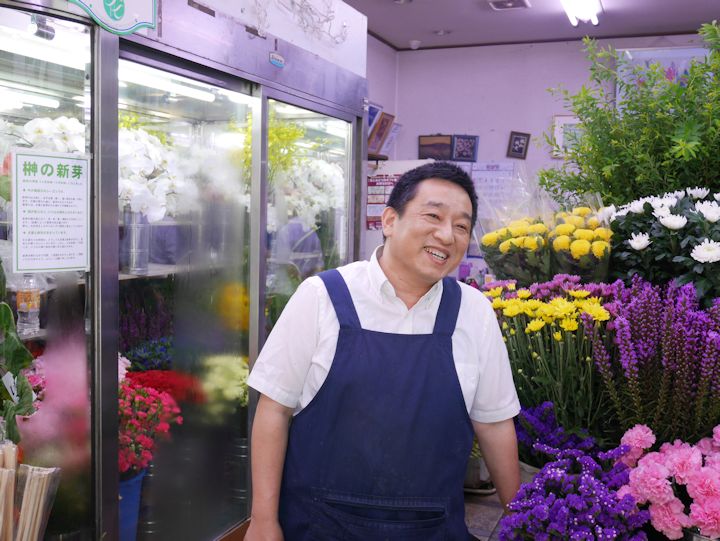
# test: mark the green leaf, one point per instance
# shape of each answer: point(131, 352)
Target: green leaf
point(16, 356)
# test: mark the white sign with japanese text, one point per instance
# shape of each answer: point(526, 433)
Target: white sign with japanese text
point(51, 211)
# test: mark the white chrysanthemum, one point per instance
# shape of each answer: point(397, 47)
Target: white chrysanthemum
point(619, 214)
point(698, 193)
point(708, 251)
point(709, 209)
point(605, 214)
point(673, 221)
point(716, 196)
point(661, 212)
point(679, 194)
point(639, 241)
point(637, 206)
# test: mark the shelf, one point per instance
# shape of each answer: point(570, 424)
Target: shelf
point(156, 270)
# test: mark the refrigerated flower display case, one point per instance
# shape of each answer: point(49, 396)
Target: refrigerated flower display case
point(192, 189)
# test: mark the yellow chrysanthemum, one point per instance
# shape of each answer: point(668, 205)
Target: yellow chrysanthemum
point(533, 243)
point(523, 293)
point(581, 211)
point(512, 309)
point(498, 303)
point(578, 293)
point(560, 215)
point(603, 233)
point(563, 308)
point(533, 304)
point(579, 248)
point(557, 335)
point(510, 286)
point(495, 292)
point(598, 313)
point(577, 221)
point(523, 222)
point(518, 242)
point(538, 229)
point(569, 324)
point(518, 230)
point(505, 247)
point(535, 325)
point(600, 248)
point(564, 229)
point(512, 332)
point(592, 222)
point(587, 234)
point(490, 239)
point(502, 232)
point(561, 243)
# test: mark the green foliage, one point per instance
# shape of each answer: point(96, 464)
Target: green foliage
point(282, 150)
point(659, 136)
point(131, 121)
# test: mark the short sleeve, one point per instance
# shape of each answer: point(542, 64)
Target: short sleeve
point(496, 398)
point(282, 366)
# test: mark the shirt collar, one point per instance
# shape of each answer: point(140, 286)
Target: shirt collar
point(382, 286)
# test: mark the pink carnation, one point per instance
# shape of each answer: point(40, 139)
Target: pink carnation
point(707, 446)
point(713, 461)
point(705, 513)
point(669, 518)
point(682, 462)
point(639, 436)
point(649, 482)
point(703, 483)
point(716, 435)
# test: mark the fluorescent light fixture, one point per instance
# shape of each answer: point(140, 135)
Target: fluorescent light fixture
point(237, 97)
point(28, 99)
point(30, 46)
point(582, 10)
point(152, 78)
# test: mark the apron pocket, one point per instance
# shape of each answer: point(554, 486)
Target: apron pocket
point(354, 517)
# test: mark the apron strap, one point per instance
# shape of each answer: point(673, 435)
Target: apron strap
point(449, 308)
point(341, 299)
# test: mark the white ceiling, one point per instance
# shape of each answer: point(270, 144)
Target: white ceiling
point(473, 22)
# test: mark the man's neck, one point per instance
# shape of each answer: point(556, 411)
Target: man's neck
point(408, 292)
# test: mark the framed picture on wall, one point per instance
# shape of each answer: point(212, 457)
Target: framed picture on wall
point(437, 147)
point(518, 145)
point(379, 133)
point(464, 148)
point(566, 131)
point(374, 111)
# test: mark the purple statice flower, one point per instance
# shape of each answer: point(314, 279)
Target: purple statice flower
point(497, 283)
point(575, 497)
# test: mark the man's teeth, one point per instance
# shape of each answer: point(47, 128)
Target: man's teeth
point(438, 255)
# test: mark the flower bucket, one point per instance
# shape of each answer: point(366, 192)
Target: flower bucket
point(130, 490)
point(691, 535)
point(134, 242)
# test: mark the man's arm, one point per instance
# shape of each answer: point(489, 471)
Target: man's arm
point(498, 444)
point(268, 446)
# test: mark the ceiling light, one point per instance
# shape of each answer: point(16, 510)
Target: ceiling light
point(401, 2)
point(442, 32)
point(504, 5)
point(172, 84)
point(582, 10)
point(414, 44)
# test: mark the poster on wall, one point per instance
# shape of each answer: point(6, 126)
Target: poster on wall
point(379, 187)
point(51, 211)
point(496, 189)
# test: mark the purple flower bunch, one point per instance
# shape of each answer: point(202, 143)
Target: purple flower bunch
point(660, 360)
point(539, 426)
point(145, 313)
point(575, 497)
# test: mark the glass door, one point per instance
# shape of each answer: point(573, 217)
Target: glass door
point(184, 184)
point(45, 117)
point(308, 201)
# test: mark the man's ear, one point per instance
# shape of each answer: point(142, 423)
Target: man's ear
point(389, 217)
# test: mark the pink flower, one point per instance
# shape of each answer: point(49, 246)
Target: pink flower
point(639, 436)
point(703, 483)
point(705, 513)
point(123, 365)
point(682, 462)
point(707, 446)
point(713, 461)
point(669, 518)
point(649, 482)
point(716, 435)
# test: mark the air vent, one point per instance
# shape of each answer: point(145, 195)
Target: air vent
point(504, 5)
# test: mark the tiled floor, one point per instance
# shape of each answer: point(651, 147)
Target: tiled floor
point(482, 514)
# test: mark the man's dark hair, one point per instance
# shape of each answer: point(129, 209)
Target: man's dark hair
point(407, 185)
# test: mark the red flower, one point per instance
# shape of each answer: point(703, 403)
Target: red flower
point(182, 387)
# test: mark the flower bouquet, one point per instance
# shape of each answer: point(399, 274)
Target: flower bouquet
point(575, 497)
point(673, 236)
point(145, 414)
point(225, 385)
point(549, 330)
point(152, 355)
point(518, 252)
point(182, 387)
point(659, 360)
point(580, 245)
point(679, 483)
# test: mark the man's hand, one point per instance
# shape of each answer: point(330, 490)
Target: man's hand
point(261, 530)
point(268, 446)
point(498, 444)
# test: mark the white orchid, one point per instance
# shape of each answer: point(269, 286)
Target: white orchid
point(708, 251)
point(639, 241)
point(698, 193)
point(673, 221)
point(709, 209)
point(60, 135)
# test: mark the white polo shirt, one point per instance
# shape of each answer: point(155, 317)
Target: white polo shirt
point(299, 352)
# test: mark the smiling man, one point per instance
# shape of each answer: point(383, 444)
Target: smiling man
point(386, 368)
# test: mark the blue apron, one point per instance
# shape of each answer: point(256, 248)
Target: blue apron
point(380, 452)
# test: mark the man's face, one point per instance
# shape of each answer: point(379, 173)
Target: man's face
point(431, 237)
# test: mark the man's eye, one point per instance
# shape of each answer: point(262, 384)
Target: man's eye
point(433, 216)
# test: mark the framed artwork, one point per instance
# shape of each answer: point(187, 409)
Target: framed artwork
point(379, 133)
point(437, 147)
point(566, 130)
point(374, 111)
point(518, 145)
point(674, 62)
point(464, 148)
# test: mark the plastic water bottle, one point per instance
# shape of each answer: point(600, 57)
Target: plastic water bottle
point(28, 305)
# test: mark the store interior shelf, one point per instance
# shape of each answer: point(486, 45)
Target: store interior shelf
point(155, 270)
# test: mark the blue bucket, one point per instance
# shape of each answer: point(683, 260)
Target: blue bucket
point(129, 507)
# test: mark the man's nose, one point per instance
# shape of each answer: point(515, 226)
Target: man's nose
point(444, 233)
